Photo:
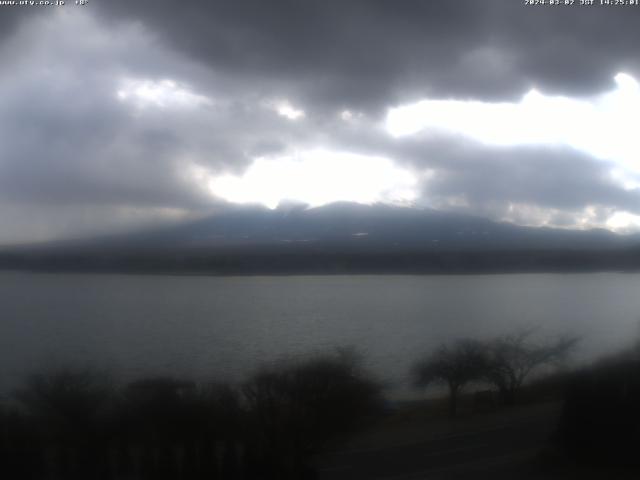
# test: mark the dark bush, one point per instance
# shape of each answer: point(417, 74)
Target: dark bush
point(600, 423)
point(296, 410)
point(74, 425)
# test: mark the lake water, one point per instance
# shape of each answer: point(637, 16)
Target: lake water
point(223, 327)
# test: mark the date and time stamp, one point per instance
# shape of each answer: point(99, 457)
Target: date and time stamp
point(583, 3)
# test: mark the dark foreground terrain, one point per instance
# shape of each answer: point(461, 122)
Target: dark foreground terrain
point(507, 442)
point(515, 443)
point(322, 418)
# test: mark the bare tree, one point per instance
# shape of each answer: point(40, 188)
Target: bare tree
point(511, 358)
point(297, 409)
point(454, 366)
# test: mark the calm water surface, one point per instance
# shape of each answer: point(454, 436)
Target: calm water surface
point(223, 327)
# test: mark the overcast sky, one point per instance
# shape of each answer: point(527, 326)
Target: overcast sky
point(120, 114)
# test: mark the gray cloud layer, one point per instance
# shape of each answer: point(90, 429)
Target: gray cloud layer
point(74, 158)
point(369, 52)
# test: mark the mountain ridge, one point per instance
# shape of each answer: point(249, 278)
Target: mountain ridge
point(346, 235)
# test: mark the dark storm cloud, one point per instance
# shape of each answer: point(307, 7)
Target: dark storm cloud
point(63, 138)
point(10, 19)
point(66, 138)
point(554, 178)
point(69, 144)
point(74, 154)
point(370, 53)
point(487, 179)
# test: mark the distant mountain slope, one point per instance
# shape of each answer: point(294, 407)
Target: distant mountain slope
point(362, 226)
point(342, 230)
